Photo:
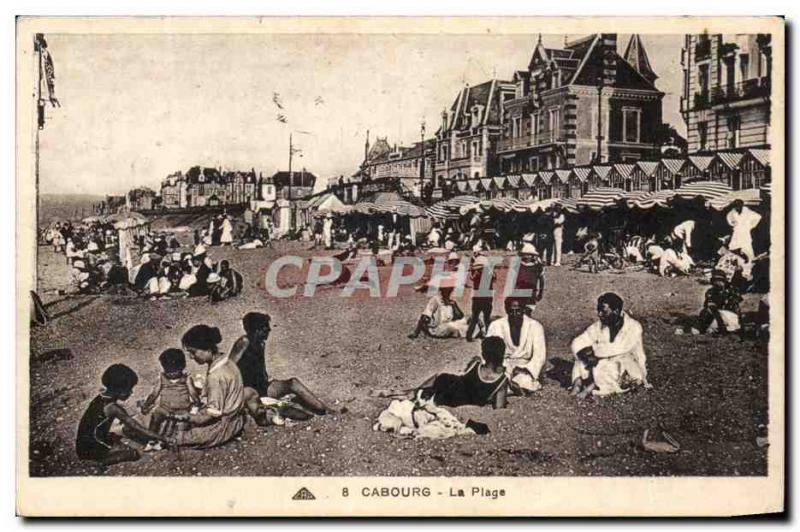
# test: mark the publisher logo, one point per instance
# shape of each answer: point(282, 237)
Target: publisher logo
point(303, 495)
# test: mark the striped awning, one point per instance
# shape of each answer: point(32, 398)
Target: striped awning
point(462, 186)
point(364, 207)
point(653, 199)
point(486, 183)
point(448, 209)
point(513, 181)
point(647, 167)
point(546, 176)
point(529, 179)
point(751, 197)
point(600, 198)
point(703, 189)
point(582, 173)
point(701, 162)
point(762, 156)
point(563, 175)
point(729, 158)
point(624, 170)
point(401, 208)
point(601, 171)
point(673, 166)
point(498, 204)
point(534, 205)
point(474, 185)
point(499, 182)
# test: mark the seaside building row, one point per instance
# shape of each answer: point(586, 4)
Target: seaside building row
point(586, 104)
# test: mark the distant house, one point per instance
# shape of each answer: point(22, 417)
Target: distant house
point(173, 191)
point(301, 184)
point(201, 184)
point(140, 199)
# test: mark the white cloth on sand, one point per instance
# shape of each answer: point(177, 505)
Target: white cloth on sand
point(407, 418)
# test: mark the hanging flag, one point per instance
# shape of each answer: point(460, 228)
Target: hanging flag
point(47, 69)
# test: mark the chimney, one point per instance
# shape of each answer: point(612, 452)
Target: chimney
point(608, 50)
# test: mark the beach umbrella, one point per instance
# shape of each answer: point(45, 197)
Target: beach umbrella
point(751, 198)
point(708, 190)
point(535, 205)
point(653, 199)
point(569, 204)
point(449, 209)
point(600, 198)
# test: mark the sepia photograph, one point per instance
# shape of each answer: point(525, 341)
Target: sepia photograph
point(431, 260)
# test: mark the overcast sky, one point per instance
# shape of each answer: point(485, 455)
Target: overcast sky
point(137, 107)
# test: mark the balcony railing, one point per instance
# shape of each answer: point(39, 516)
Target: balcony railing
point(526, 141)
point(750, 88)
point(515, 143)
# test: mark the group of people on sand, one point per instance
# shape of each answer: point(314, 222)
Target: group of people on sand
point(200, 410)
point(443, 318)
point(609, 358)
point(188, 274)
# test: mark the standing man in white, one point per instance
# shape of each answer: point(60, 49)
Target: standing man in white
point(742, 221)
point(558, 233)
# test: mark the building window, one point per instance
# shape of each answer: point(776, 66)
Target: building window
point(555, 123)
point(631, 121)
point(734, 126)
point(702, 134)
point(476, 150)
point(744, 67)
point(702, 78)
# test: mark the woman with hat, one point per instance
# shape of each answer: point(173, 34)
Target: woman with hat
point(530, 276)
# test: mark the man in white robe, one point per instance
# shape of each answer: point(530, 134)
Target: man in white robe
point(608, 350)
point(525, 356)
point(742, 221)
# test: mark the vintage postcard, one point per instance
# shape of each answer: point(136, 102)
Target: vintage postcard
point(400, 266)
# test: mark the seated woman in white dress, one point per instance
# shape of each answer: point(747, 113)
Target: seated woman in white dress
point(673, 262)
point(526, 350)
point(442, 317)
point(609, 352)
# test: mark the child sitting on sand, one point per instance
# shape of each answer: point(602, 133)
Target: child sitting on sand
point(94, 440)
point(174, 392)
point(720, 313)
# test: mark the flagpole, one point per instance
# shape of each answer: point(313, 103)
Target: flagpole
point(39, 122)
point(291, 214)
